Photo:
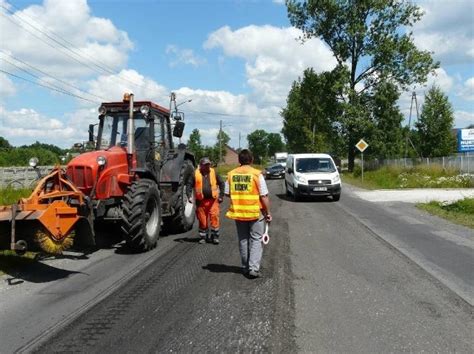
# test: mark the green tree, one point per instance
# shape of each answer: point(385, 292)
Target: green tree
point(194, 144)
point(219, 149)
point(387, 139)
point(4, 144)
point(53, 148)
point(258, 144)
point(371, 38)
point(434, 135)
point(20, 156)
point(310, 119)
point(274, 144)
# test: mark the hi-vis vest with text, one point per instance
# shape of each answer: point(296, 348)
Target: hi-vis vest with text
point(198, 184)
point(244, 194)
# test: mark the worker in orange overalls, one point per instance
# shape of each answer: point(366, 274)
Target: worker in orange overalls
point(209, 191)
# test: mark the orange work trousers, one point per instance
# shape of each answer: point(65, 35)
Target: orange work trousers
point(208, 209)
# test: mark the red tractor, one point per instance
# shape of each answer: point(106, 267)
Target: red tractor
point(135, 176)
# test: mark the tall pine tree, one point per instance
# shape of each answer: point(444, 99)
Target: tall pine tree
point(434, 134)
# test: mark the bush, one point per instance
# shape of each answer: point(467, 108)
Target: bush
point(416, 177)
point(9, 196)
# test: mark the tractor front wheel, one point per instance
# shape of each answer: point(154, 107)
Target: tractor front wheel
point(142, 215)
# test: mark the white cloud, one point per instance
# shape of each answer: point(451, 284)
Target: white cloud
point(26, 126)
point(273, 56)
point(70, 23)
point(441, 79)
point(279, 2)
point(462, 119)
point(447, 30)
point(183, 56)
point(467, 91)
point(7, 87)
point(112, 87)
point(237, 113)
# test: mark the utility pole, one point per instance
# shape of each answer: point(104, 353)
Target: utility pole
point(239, 141)
point(408, 140)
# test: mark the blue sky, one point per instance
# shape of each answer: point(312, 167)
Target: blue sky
point(235, 58)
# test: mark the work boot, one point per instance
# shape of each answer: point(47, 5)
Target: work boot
point(202, 237)
point(254, 274)
point(215, 236)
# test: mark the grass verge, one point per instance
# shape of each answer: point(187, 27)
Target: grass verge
point(393, 177)
point(460, 212)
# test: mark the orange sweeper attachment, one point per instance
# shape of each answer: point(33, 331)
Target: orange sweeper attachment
point(47, 217)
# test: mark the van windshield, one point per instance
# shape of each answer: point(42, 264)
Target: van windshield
point(315, 164)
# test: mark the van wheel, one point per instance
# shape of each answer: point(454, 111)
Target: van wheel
point(336, 197)
point(296, 195)
point(287, 191)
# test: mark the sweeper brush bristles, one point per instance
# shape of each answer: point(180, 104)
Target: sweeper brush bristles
point(50, 245)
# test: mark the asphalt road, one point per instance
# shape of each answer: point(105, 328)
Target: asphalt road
point(337, 277)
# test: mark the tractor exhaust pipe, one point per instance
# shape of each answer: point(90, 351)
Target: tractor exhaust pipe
point(131, 129)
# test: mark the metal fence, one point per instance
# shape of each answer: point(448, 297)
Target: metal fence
point(21, 177)
point(464, 163)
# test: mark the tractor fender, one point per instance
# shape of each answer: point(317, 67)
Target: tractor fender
point(171, 168)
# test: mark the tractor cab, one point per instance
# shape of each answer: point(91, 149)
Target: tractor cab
point(143, 129)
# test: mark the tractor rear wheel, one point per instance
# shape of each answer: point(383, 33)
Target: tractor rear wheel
point(142, 215)
point(185, 211)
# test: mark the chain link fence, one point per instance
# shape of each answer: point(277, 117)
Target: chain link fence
point(464, 162)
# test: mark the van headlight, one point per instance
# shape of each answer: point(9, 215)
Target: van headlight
point(301, 179)
point(336, 179)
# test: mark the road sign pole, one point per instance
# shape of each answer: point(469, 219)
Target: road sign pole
point(361, 146)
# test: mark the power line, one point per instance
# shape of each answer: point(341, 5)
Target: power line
point(57, 88)
point(62, 45)
point(48, 75)
point(48, 87)
point(73, 49)
point(228, 114)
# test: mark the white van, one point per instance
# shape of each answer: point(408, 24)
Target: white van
point(312, 175)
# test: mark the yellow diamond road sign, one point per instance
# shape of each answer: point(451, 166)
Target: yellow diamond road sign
point(362, 145)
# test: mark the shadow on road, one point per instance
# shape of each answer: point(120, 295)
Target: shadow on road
point(222, 268)
point(313, 199)
point(34, 272)
point(187, 239)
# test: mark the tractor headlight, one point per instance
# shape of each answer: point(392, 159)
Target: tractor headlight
point(101, 160)
point(102, 110)
point(33, 162)
point(145, 109)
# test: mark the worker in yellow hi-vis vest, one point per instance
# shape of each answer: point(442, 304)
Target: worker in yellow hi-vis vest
point(250, 208)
